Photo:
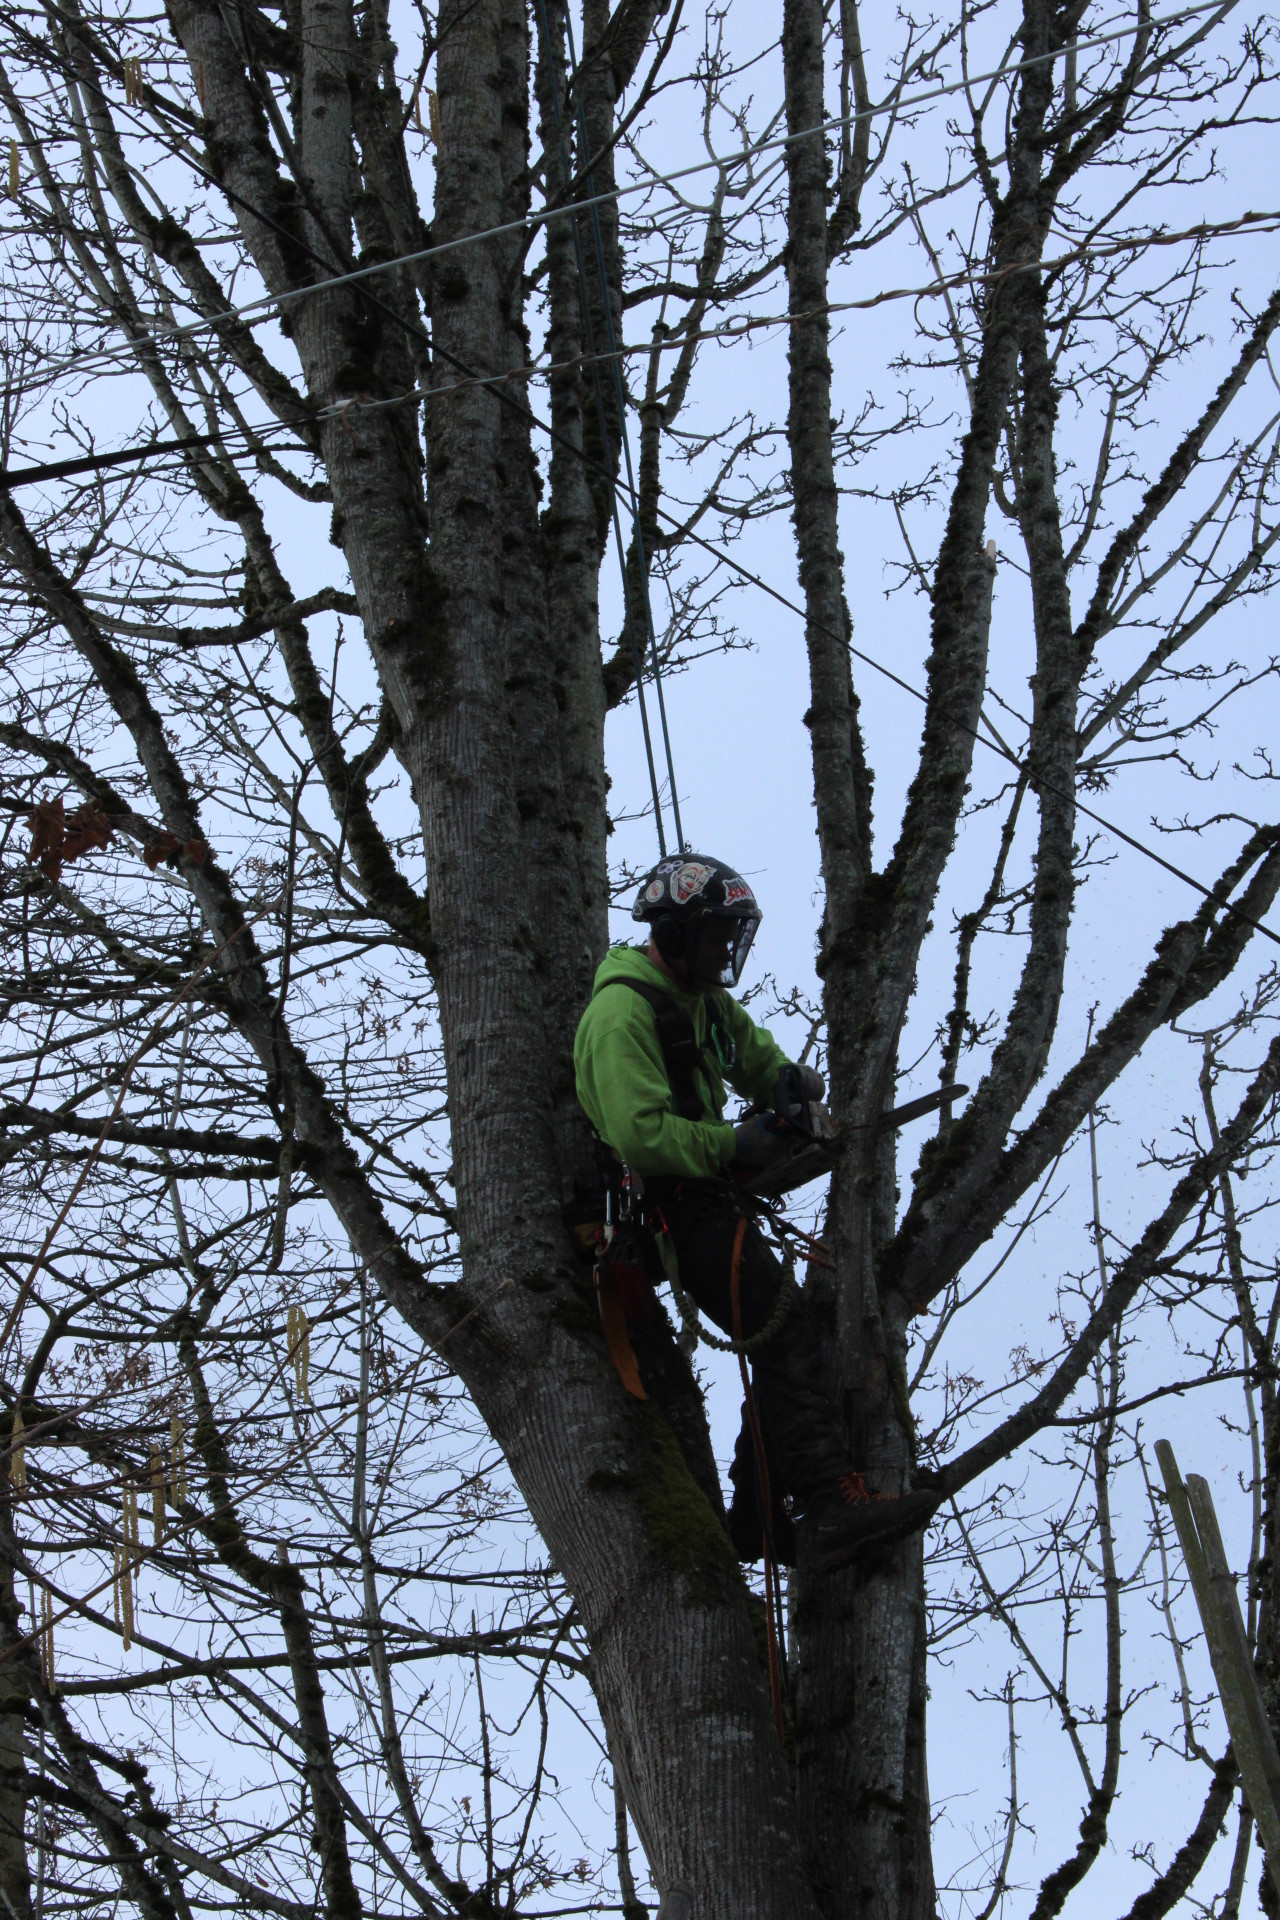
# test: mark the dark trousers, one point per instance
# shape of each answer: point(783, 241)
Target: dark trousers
point(803, 1442)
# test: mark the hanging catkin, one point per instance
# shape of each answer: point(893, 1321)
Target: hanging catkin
point(46, 1639)
point(157, 1492)
point(299, 1340)
point(122, 1598)
point(17, 1454)
point(178, 1456)
point(432, 127)
point(129, 1516)
point(133, 82)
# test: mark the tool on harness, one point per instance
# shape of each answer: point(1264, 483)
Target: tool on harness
point(691, 1322)
point(607, 1223)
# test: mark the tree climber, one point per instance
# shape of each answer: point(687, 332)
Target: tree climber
point(657, 1043)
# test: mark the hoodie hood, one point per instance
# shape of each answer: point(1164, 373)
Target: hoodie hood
point(633, 963)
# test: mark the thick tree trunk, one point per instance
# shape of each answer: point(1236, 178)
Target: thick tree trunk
point(859, 1635)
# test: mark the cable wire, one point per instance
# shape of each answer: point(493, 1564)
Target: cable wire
point(1219, 8)
point(995, 744)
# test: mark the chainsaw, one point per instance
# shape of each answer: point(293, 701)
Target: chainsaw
point(814, 1141)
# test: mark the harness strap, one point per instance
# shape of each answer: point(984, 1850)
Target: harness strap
point(681, 1049)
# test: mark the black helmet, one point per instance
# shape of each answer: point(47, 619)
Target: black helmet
point(686, 889)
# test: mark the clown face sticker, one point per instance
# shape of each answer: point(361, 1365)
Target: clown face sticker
point(690, 880)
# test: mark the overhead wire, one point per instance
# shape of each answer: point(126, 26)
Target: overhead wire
point(676, 341)
point(994, 744)
point(266, 303)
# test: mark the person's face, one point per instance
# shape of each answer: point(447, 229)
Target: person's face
point(712, 954)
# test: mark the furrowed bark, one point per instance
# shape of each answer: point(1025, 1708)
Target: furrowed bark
point(861, 1781)
point(567, 940)
point(15, 1874)
point(841, 784)
point(170, 241)
point(1164, 1894)
point(641, 1546)
point(973, 1144)
point(572, 534)
point(1126, 545)
point(900, 904)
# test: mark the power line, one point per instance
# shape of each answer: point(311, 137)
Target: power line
point(721, 556)
point(736, 329)
point(1219, 8)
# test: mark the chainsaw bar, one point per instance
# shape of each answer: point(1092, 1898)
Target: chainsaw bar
point(811, 1159)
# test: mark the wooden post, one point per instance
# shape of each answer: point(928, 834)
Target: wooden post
point(1214, 1587)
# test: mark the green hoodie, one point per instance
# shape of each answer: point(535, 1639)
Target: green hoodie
point(623, 1085)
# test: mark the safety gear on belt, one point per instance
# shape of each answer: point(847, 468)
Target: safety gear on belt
point(622, 1079)
point(684, 890)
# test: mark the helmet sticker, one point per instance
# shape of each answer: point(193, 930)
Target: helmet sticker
point(736, 892)
point(690, 880)
point(654, 890)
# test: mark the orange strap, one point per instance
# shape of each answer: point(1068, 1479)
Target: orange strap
point(617, 1339)
point(772, 1582)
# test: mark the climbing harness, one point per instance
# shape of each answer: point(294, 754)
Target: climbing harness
point(682, 1052)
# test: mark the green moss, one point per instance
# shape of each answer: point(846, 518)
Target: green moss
point(577, 1312)
point(681, 1523)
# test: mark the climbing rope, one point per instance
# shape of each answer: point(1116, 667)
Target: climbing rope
point(588, 326)
point(691, 1320)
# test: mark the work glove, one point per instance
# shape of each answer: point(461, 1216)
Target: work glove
point(815, 1087)
point(757, 1142)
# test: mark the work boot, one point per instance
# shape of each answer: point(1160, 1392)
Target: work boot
point(747, 1534)
point(847, 1517)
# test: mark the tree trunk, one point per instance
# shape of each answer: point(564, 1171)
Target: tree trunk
point(858, 1634)
point(15, 1877)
